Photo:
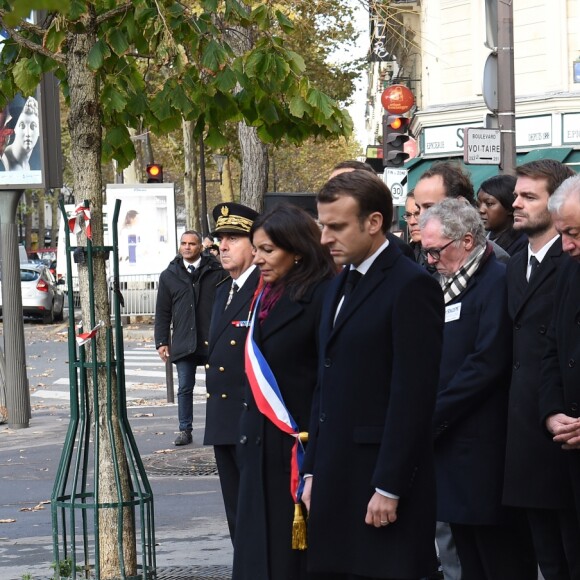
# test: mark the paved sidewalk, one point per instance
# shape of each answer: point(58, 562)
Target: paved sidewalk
point(190, 527)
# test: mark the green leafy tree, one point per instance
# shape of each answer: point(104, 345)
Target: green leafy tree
point(96, 49)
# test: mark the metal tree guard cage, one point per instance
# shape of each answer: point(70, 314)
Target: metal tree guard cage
point(75, 503)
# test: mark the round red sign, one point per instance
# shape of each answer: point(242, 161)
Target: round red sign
point(397, 99)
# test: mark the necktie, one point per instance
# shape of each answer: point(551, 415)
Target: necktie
point(233, 290)
point(191, 268)
point(534, 265)
point(352, 279)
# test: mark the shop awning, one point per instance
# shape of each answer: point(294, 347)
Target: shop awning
point(480, 173)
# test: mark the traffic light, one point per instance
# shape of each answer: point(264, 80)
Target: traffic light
point(395, 128)
point(154, 173)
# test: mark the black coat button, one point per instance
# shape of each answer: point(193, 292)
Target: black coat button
point(327, 362)
point(258, 440)
point(517, 326)
point(243, 439)
point(571, 363)
point(574, 407)
point(542, 329)
point(322, 417)
point(245, 405)
point(516, 365)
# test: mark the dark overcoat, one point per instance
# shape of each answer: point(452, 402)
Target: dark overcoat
point(534, 463)
point(470, 416)
point(288, 339)
point(184, 303)
point(224, 372)
point(371, 422)
point(560, 386)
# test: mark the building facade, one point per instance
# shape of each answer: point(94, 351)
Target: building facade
point(443, 61)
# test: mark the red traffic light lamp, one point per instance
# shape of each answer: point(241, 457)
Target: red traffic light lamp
point(154, 173)
point(395, 135)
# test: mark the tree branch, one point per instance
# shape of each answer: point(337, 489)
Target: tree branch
point(114, 12)
point(30, 44)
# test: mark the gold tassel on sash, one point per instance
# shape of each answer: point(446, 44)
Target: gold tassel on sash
point(298, 529)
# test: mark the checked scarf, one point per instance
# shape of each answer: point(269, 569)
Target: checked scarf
point(456, 284)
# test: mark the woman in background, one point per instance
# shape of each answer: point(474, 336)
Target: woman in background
point(294, 268)
point(494, 201)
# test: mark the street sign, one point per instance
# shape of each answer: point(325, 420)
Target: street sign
point(482, 146)
point(396, 180)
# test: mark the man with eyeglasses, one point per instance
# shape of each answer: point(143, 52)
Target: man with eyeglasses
point(560, 385)
point(444, 180)
point(536, 473)
point(469, 422)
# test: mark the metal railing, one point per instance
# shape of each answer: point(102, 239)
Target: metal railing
point(138, 291)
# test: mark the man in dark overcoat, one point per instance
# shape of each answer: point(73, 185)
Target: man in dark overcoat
point(533, 462)
point(182, 315)
point(469, 423)
point(225, 376)
point(560, 386)
point(370, 486)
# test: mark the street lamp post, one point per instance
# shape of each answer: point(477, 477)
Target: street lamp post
point(506, 86)
point(17, 391)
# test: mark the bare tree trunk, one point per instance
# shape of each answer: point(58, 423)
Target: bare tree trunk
point(254, 181)
point(41, 219)
point(54, 221)
point(226, 188)
point(85, 132)
point(190, 192)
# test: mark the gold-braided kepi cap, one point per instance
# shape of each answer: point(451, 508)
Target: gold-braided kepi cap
point(233, 218)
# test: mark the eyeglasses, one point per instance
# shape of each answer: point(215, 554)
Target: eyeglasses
point(408, 215)
point(435, 253)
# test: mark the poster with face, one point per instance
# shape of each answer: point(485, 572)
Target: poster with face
point(21, 139)
point(20, 158)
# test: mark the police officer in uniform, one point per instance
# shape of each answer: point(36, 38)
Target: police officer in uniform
point(225, 377)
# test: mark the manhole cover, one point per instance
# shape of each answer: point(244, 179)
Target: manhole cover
point(195, 573)
point(195, 462)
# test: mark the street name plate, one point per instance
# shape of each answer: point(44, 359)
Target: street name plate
point(482, 146)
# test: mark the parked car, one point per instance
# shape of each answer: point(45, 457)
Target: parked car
point(41, 294)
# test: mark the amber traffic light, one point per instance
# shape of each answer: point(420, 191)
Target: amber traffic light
point(154, 173)
point(395, 135)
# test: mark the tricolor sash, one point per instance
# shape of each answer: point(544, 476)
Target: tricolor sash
point(271, 404)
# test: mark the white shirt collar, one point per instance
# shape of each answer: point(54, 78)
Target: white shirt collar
point(241, 279)
point(364, 266)
point(541, 254)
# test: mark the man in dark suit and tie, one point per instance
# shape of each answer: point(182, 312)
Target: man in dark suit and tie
point(225, 376)
point(560, 385)
point(370, 486)
point(536, 475)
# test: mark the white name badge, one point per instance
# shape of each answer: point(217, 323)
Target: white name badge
point(452, 312)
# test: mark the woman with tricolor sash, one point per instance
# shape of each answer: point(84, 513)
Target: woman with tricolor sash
point(281, 368)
